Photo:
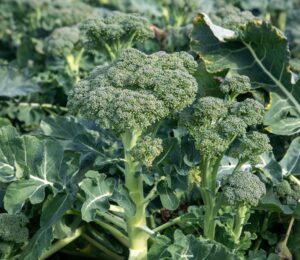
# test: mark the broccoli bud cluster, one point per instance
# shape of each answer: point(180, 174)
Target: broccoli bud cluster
point(63, 41)
point(13, 228)
point(287, 193)
point(136, 90)
point(116, 32)
point(243, 188)
point(235, 85)
point(147, 149)
point(215, 124)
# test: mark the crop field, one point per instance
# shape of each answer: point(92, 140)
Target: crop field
point(150, 129)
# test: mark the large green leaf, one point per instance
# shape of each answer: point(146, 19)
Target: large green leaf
point(51, 214)
point(9, 145)
point(97, 191)
point(167, 196)
point(260, 51)
point(13, 83)
point(42, 166)
point(188, 247)
point(290, 163)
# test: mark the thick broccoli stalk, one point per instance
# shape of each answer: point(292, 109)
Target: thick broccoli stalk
point(65, 43)
point(116, 32)
point(216, 125)
point(242, 190)
point(132, 93)
point(13, 228)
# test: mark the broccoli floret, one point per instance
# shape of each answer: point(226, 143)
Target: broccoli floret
point(235, 85)
point(250, 146)
point(147, 149)
point(242, 191)
point(231, 17)
point(283, 189)
point(13, 228)
point(210, 143)
point(178, 13)
point(243, 188)
point(116, 32)
point(136, 90)
point(65, 43)
point(232, 126)
point(250, 110)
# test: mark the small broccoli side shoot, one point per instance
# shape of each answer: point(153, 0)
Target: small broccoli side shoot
point(127, 96)
point(116, 32)
point(222, 127)
point(242, 190)
point(65, 44)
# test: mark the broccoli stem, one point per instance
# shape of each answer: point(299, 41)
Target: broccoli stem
point(74, 63)
point(239, 222)
point(137, 237)
point(208, 191)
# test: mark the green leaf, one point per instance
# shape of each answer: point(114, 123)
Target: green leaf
point(97, 191)
point(167, 196)
point(13, 84)
point(9, 144)
point(290, 163)
point(42, 165)
point(260, 51)
point(188, 247)
point(51, 214)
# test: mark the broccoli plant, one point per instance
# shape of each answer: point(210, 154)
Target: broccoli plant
point(222, 127)
point(128, 96)
point(115, 32)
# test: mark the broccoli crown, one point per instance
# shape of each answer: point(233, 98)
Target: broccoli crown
point(208, 110)
point(250, 146)
point(13, 228)
point(215, 124)
point(136, 90)
point(235, 85)
point(243, 188)
point(250, 110)
point(231, 17)
point(63, 41)
point(147, 149)
point(283, 189)
point(119, 27)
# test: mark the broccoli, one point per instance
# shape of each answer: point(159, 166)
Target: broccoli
point(242, 190)
point(116, 32)
point(178, 13)
point(235, 85)
point(287, 193)
point(65, 43)
point(13, 228)
point(147, 150)
point(250, 146)
point(219, 127)
point(127, 96)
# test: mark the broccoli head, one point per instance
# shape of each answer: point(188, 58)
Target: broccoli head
point(250, 146)
point(243, 188)
point(13, 228)
point(147, 149)
point(63, 41)
point(115, 32)
point(235, 85)
point(136, 90)
point(250, 110)
point(287, 193)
